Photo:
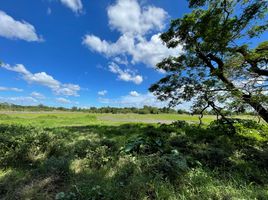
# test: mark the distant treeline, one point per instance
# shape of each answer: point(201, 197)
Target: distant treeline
point(114, 110)
point(40, 107)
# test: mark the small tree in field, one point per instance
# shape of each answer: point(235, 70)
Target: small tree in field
point(219, 66)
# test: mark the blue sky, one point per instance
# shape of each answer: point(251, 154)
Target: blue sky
point(83, 52)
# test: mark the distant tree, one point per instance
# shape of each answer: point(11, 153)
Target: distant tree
point(74, 108)
point(217, 66)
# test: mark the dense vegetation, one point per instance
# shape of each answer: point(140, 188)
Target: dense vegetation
point(117, 110)
point(144, 110)
point(134, 161)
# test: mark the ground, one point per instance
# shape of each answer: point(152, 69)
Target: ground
point(116, 156)
point(56, 119)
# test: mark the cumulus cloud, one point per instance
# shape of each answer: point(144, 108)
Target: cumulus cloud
point(135, 23)
point(42, 78)
point(127, 16)
point(67, 89)
point(63, 100)
point(134, 94)
point(121, 61)
point(153, 51)
point(149, 52)
point(37, 95)
point(13, 29)
point(19, 100)
point(135, 100)
point(102, 92)
point(10, 89)
point(75, 5)
point(125, 75)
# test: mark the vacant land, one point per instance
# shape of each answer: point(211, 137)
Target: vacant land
point(70, 156)
point(56, 119)
point(81, 119)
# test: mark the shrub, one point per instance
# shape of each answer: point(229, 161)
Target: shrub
point(111, 145)
point(98, 157)
point(151, 141)
point(58, 166)
point(169, 166)
point(23, 143)
point(180, 124)
point(222, 126)
point(82, 147)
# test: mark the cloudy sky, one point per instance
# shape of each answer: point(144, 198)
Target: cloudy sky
point(83, 52)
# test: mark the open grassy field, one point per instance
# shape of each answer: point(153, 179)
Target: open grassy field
point(73, 156)
point(51, 119)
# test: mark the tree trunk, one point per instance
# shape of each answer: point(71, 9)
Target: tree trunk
point(262, 111)
point(257, 107)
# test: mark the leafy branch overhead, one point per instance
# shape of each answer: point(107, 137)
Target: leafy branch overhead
point(218, 64)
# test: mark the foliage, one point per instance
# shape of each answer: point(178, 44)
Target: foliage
point(217, 67)
point(90, 162)
point(114, 110)
point(150, 141)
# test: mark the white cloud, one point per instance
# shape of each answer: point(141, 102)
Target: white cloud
point(125, 75)
point(75, 5)
point(124, 45)
point(13, 29)
point(141, 51)
point(102, 92)
point(42, 78)
point(67, 90)
point(134, 94)
point(127, 16)
point(121, 61)
point(37, 95)
point(63, 100)
point(153, 51)
point(10, 89)
point(19, 100)
point(97, 44)
point(141, 100)
point(134, 23)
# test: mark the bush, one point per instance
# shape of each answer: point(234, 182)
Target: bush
point(151, 141)
point(98, 157)
point(21, 143)
point(222, 127)
point(58, 166)
point(82, 147)
point(169, 166)
point(111, 145)
point(180, 124)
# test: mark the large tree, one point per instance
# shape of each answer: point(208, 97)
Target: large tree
point(222, 63)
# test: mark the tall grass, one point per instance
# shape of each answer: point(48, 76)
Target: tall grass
point(134, 161)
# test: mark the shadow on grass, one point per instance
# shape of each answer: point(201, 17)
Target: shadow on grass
point(133, 161)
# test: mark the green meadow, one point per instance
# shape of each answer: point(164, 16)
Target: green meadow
point(73, 156)
point(59, 119)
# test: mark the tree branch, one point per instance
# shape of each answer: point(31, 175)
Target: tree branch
point(254, 67)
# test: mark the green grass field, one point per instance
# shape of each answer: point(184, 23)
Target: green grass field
point(73, 156)
point(60, 119)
